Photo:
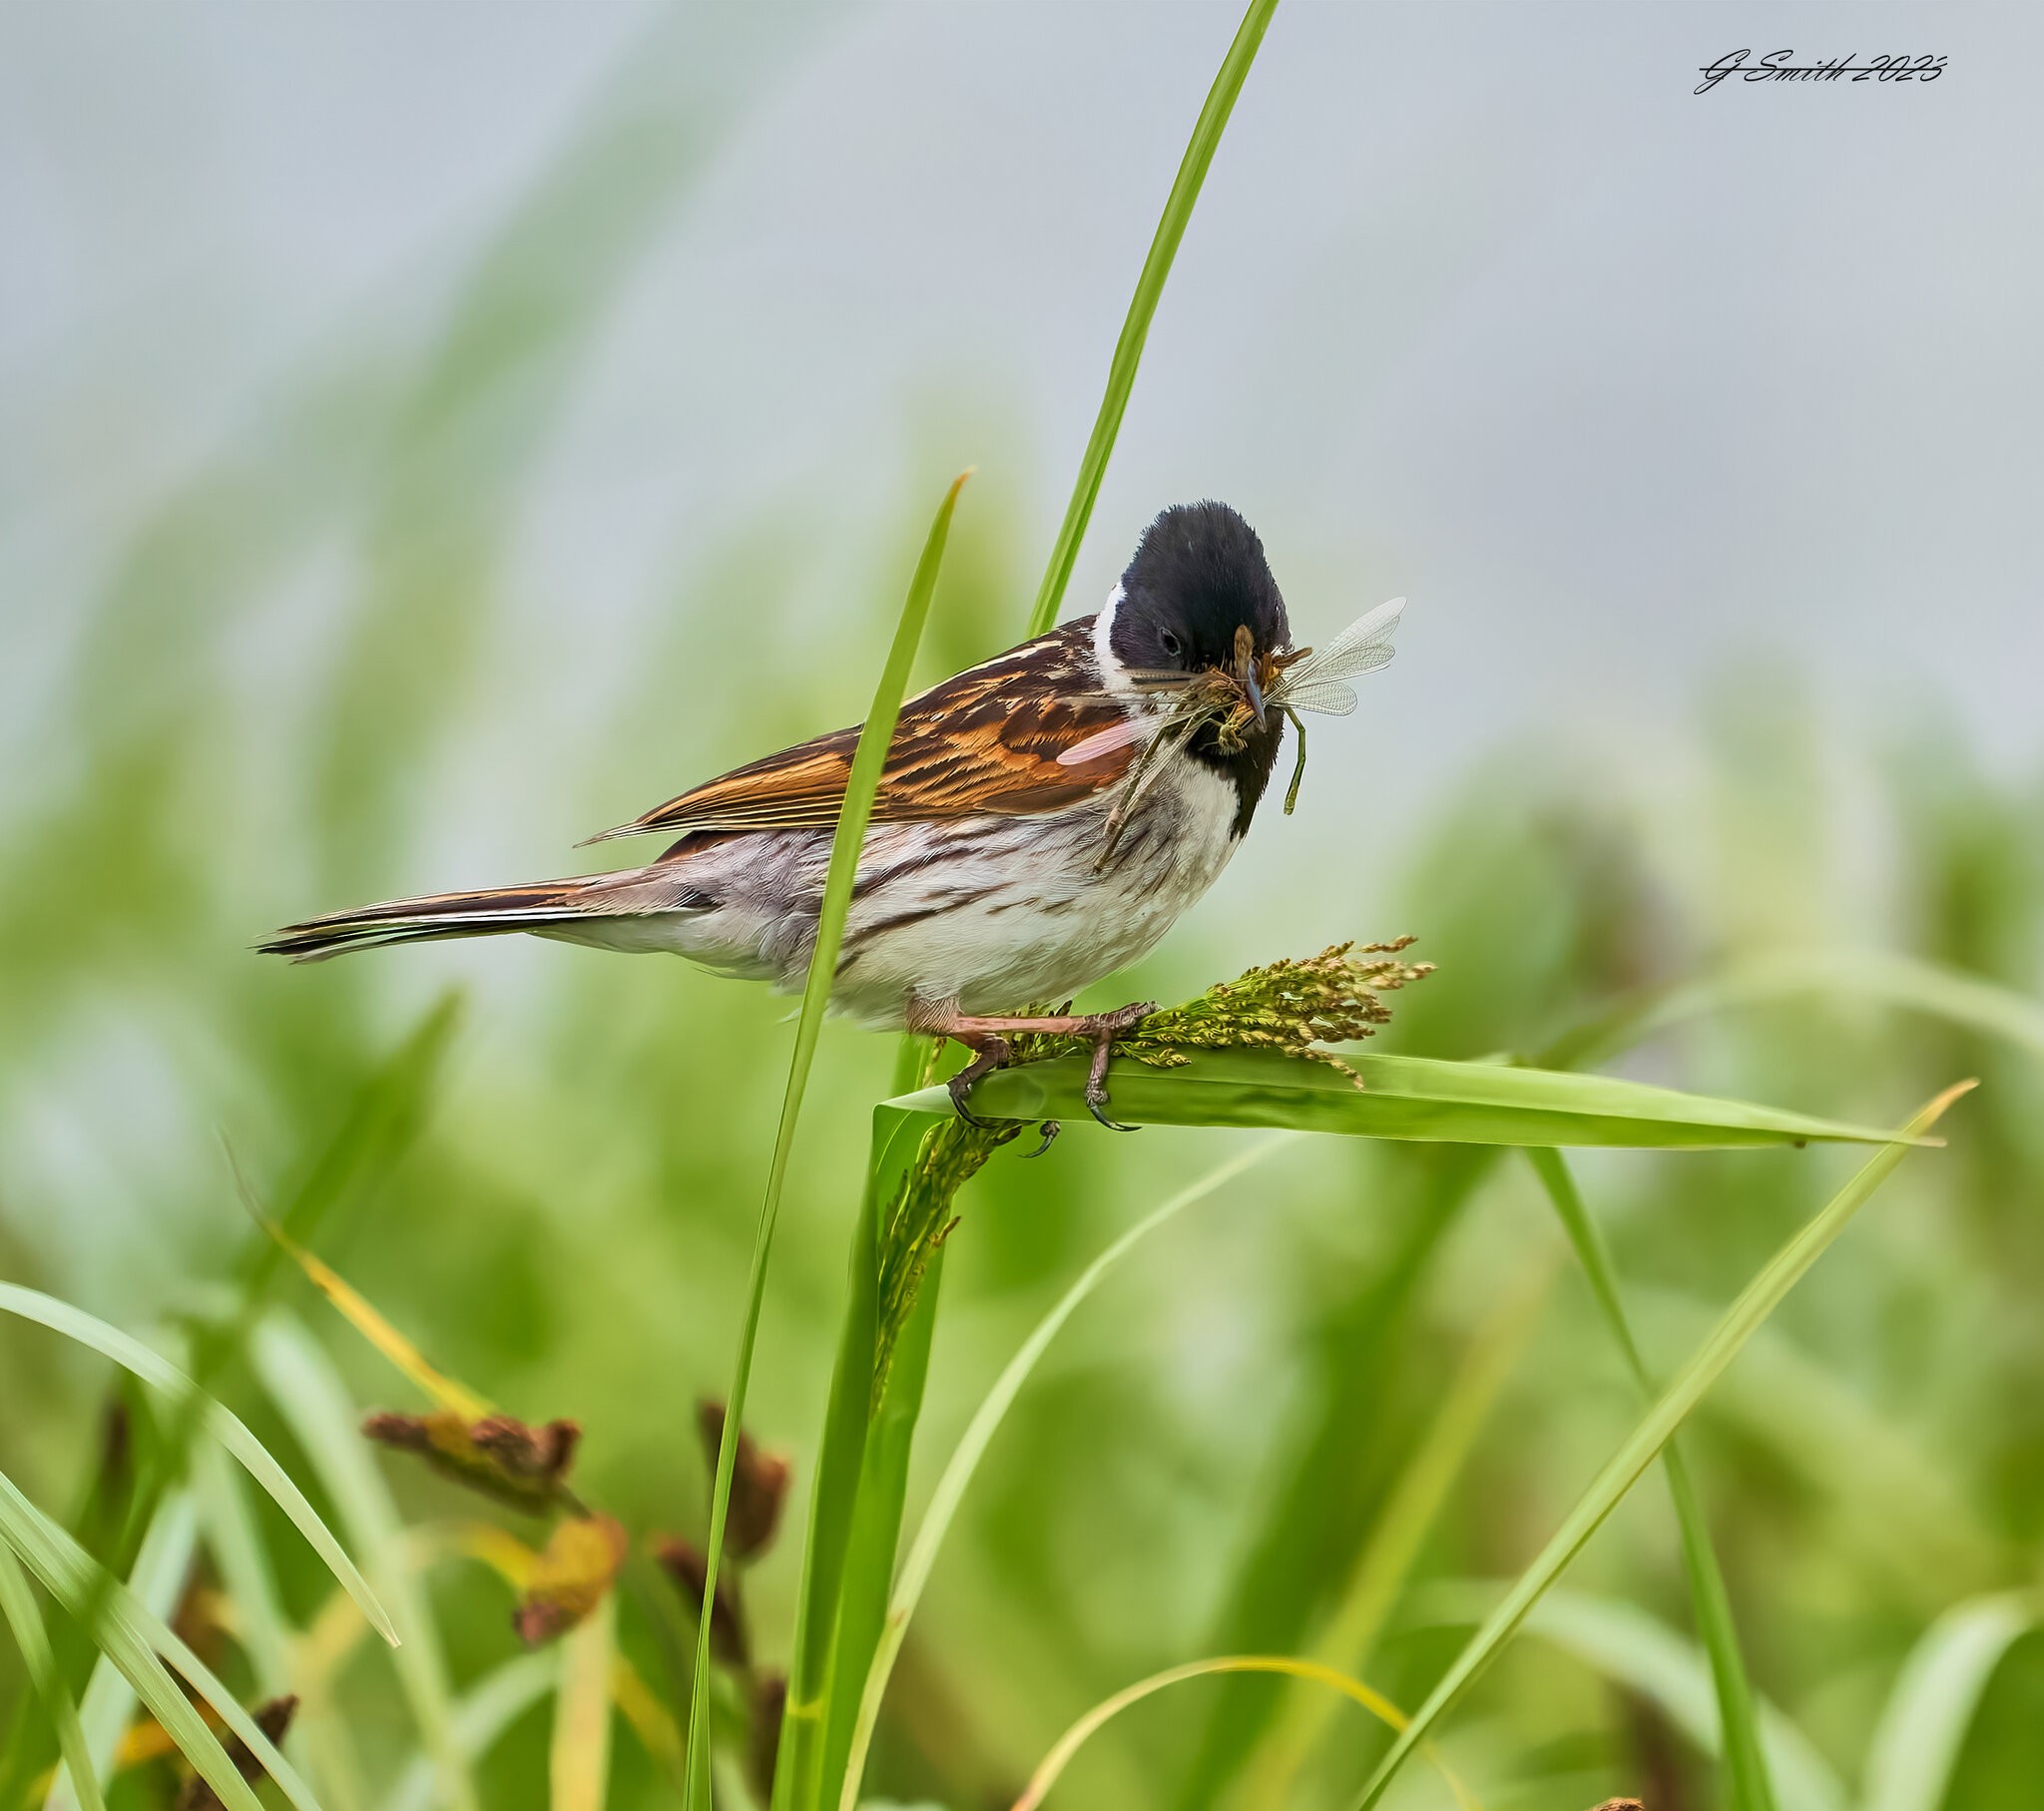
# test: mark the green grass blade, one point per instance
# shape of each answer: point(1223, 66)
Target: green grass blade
point(383, 1115)
point(1128, 351)
point(228, 1530)
point(972, 1445)
point(1906, 983)
point(481, 1715)
point(1923, 1728)
point(1640, 1652)
point(873, 742)
point(1746, 1765)
point(18, 1604)
point(1416, 1098)
point(221, 1423)
point(1755, 1304)
point(163, 1561)
point(876, 1530)
point(833, 1506)
point(133, 1637)
point(579, 1762)
point(1894, 1498)
point(301, 1381)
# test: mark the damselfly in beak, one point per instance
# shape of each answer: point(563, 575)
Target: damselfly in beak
point(1314, 678)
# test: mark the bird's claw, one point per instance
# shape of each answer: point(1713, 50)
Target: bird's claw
point(1096, 1108)
point(989, 1057)
point(1107, 1028)
point(960, 1087)
point(1050, 1130)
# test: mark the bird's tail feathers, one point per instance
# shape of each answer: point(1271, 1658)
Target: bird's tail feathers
point(486, 912)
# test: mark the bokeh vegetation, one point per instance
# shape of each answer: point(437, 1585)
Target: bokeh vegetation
point(1325, 1414)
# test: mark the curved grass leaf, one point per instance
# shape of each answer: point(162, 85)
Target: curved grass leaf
point(1759, 1299)
point(1885, 977)
point(1907, 983)
point(300, 1380)
point(1128, 351)
point(1922, 1730)
point(163, 1561)
point(1074, 1739)
point(18, 1605)
point(221, 1423)
point(972, 1445)
point(1745, 1766)
point(1417, 1098)
point(133, 1637)
point(867, 764)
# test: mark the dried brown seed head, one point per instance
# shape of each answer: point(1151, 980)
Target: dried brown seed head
point(521, 1466)
point(571, 1576)
point(689, 1567)
point(759, 1484)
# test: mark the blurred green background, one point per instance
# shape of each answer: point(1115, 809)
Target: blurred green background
point(440, 433)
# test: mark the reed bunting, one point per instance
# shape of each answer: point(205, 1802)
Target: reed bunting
point(1042, 821)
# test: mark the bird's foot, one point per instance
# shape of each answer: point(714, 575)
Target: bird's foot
point(988, 1054)
point(991, 1050)
point(1104, 1029)
point(1050, 1130)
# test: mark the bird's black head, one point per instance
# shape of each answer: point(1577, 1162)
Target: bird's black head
point(1199, 597)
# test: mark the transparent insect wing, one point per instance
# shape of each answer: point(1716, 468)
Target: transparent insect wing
point(1106, 742)
point(1328, 698)
point(1364, 647)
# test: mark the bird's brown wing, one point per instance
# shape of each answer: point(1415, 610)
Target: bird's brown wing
point(987, 741)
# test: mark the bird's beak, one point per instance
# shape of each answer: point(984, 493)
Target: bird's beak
point(1255, 693)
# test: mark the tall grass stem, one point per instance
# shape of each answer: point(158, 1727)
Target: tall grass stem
point(873, 742)
point(1128, 351)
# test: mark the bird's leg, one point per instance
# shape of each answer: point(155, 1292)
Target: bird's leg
point(985, 1034)
point(988, 1053)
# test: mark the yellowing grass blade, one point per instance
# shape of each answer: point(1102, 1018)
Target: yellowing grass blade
point(361, 1314)
point(1074, 1739)
point(579, 1762)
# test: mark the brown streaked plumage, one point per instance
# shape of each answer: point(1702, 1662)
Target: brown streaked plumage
point(1041, 820)
point(985, 742)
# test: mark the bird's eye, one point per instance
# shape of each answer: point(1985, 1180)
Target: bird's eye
point(1171, 645)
